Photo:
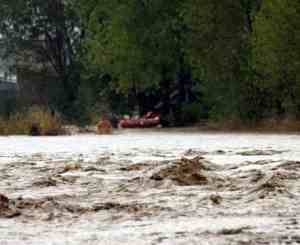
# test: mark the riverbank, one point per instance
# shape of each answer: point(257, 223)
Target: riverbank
point(46, 125)
point(38, 121)
point(273, 125)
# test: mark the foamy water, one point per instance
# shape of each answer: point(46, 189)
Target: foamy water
point(140, 210)
point(144, 144)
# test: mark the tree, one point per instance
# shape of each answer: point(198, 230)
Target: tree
point(276, 42)
point(139, 43)
point(219, 51)
point(49, 32)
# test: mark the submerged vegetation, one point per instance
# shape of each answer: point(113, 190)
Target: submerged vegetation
point(191, 60)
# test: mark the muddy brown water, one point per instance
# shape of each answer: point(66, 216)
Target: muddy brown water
point(150, 187)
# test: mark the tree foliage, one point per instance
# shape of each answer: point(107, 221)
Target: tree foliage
point(230, 59)
point(137, 42)
point(277, 53)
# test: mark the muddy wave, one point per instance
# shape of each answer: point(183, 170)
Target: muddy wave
point(181, 193)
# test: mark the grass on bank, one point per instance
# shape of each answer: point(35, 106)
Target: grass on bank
point(272, 125)
point(35, 121)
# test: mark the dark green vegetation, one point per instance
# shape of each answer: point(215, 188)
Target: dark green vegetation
point(189, 59)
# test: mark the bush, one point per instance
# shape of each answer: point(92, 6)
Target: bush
point(2, 126)
point(35, 121)
point(193, 113)
point(48, 123)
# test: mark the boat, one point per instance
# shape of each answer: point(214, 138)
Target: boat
point(150, 120)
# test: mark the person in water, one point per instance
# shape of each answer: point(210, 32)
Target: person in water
point(104, 126)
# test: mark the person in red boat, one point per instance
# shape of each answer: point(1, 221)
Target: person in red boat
point(151, 119)
point(104, 126)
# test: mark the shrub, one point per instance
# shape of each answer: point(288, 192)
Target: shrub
point(47, 122)
point(2, 125)
point(35, 121)
point(193, 113)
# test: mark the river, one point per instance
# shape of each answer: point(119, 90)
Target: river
point(177, 186)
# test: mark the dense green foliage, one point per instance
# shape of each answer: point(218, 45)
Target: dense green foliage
point(189, 59)
point(276, 49)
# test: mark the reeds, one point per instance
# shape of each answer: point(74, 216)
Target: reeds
point(34, 121)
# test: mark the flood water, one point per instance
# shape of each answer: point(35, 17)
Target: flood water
point(151, 187)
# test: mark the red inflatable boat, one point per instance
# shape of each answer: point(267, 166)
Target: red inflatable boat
point(150, 120)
